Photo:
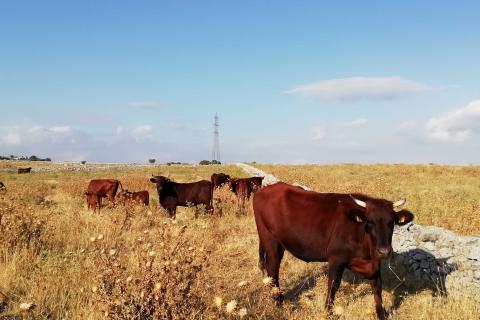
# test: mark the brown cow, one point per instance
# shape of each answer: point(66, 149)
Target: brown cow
point(219, 179)
point(244, 187)
point(24, 170)
point(94, 201)
point(347, 231)
point(103, 188)
point(140, 197)
point(172, 194)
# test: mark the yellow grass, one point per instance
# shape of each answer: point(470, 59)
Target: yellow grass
point(123, 264)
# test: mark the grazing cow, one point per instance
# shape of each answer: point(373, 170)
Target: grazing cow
point(94, 201)
point(24, 170)
point(244, 187)
point(140, 197)
point(347, 231)
point(2, 187)
point(219, 179)
point(172, 194)
point(103, 188)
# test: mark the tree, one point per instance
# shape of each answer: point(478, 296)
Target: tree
point(152, 161)
point(204, 162)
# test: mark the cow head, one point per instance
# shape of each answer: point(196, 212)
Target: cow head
point(92, 199)
point(256, 182)
point(378, 217)
point(160, 181)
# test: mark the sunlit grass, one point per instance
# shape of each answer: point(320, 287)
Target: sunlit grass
point(73, 264)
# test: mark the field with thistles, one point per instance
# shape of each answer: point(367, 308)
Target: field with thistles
point(60, 261)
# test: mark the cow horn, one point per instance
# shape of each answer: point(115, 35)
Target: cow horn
point(399, 203)
point(361, 203)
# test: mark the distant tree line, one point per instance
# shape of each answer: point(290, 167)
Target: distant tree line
point(31, 158)
point(206, 162)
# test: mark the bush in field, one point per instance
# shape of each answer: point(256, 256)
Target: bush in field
point(165, 282)
point(206, 162)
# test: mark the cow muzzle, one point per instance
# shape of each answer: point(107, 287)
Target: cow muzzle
point(384, 252)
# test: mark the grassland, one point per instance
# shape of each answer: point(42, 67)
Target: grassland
point(128, 263)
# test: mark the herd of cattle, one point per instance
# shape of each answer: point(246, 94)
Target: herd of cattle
point(172, 194)
point(352, 231)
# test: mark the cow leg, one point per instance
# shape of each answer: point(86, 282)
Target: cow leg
point(335, 272)
point(376, 284)
point(271, 254)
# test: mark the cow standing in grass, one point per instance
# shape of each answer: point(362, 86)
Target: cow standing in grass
point(347, 231)
point(102, 188)
point(24, 170)
point(172, 194)
point(244, 188)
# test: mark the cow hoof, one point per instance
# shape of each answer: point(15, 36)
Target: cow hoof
point(278, 298)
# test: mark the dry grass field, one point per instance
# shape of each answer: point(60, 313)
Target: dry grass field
point(134, 263)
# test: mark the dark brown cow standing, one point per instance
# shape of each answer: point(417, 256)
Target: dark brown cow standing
point(102, 188)
point(172, 194)
point(24, 170)
point(347, 231)
point(140, 197)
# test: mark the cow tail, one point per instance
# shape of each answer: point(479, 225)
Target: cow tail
point(262, 257)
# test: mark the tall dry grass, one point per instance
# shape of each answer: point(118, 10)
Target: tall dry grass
point(136, 263)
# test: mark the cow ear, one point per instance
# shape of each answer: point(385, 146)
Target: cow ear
point(154, 180)
point(403, 217)
point(356, 216)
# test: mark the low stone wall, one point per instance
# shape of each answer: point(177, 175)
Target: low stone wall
point(431, 254)
point(439, 255)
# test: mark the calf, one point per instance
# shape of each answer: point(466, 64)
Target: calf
point(140, 197)
point(172, 194)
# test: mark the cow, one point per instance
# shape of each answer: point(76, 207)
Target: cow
point(140, 197)
point(172, 194)
point(94, 201)
point(219, 179)
point(2, 187)
point(102, 188)
point(24, 170)
point(244, 187)
point(347, 231)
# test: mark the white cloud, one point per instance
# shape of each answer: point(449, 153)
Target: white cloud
point(143, 133)
point(144, 104)
point(356, 89)
point(354, 123)
point(459, 125)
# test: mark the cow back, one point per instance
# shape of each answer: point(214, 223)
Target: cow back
point(310, 225)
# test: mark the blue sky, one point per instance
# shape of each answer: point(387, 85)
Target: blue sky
point(292, 81)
